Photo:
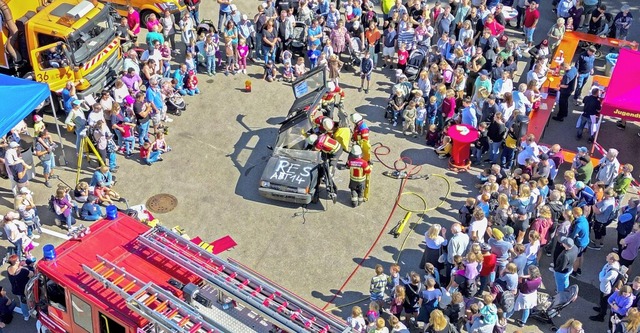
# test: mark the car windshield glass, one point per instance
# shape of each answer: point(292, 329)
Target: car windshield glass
point(295, 136)
point(92, 37)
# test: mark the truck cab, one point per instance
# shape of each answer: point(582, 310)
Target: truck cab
point(61, 41)
point(292, 172)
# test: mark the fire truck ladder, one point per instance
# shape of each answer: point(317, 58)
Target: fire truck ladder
point(150, 301)
point(274, 303)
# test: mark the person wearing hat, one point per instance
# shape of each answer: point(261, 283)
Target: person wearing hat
point(359, 170)
point(584, 64)
point(501, 248)
point(248, 32)
point(563, 265)
point(604, 213)
point(622, 22)
point(91, 211)
point(580, 151)
point(26, 206)
point(235, 14)
point(77, 121)
point(585, 171)
point(585, 197)
point(482, 81)
point(542, 168)
point(489, 109)
point(38, 125)
point(488, 270)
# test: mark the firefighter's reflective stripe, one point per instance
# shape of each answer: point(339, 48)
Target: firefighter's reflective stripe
point(358, 169)
point(327, 144)
point(331, 96)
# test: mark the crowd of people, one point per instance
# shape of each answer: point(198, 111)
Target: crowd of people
point(454, 65)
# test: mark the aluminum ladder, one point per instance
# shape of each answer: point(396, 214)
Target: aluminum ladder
point(151, 302)
point(274, 303)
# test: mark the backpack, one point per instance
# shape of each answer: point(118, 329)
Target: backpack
point(507, 301)
point(622, 277)
point(465, 215)
point(51, 204)
point(469, 288)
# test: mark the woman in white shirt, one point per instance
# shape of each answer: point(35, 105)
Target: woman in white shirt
point(466, 31)
point(120, 91)
point(95, 115)
point(434, 241)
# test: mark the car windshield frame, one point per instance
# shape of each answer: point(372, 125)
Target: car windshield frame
point(86, 43)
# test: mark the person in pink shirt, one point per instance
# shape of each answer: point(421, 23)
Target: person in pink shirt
point(243, 51)
point(496, 28)
point(403, 56)
point(133, 18)
point(152, 21)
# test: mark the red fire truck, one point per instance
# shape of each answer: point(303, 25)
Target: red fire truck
point(123, 276)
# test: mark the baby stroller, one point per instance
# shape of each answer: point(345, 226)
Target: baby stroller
point(298, 41)
point(174, 101)
point(415, 63)
point(205, 26)
point(355, 53)
point(546, 311)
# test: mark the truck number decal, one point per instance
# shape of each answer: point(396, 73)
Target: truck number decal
point(289, 171)
point(42, 77)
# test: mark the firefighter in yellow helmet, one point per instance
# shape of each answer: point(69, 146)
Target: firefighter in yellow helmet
point(359, 170)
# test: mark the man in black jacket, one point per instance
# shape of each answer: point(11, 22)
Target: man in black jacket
point(563, 265)
point(496, 133)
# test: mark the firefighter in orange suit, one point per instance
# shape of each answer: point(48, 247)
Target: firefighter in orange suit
point(359, 170)
point(333, 97)
point(329, 147)
point(361, 135)
point(324, 124)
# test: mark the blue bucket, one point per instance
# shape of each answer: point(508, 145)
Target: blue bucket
point(49, 252)
point(112, 212)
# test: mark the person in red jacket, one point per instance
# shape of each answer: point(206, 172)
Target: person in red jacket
point(359, 169)
point(487, 273)
point(329, 146)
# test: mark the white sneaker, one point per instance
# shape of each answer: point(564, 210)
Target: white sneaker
point(35, 244)
point(551, 265)
point(615, 249)
point(26, 318)
point(168, 120)
point(35, 236)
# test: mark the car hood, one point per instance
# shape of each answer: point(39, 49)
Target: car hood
point(292, 168)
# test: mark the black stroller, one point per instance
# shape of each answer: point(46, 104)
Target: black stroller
point(414, 64)
point(298, 41)
point(550, 309)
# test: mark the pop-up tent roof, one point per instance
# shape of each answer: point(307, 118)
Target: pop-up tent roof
point(623, 93)
point(18, 98)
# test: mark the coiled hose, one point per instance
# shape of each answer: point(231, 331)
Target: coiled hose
point(399, 165)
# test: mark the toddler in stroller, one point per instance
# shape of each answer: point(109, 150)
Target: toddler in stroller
point(174, 101)
point(546, 311)
point(354, 50)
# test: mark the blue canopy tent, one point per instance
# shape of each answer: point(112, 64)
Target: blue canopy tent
point(18, 98)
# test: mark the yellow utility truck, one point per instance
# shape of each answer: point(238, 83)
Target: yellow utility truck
point(56, 41)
